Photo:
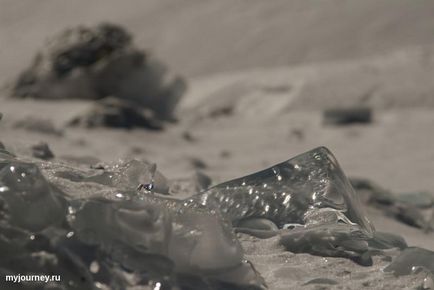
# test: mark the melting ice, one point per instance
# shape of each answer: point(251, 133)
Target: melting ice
point(142, 238)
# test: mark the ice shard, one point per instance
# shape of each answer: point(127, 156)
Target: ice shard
point(28, 200)
point(310, 188)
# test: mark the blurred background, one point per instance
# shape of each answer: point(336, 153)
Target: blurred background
point(225, 87)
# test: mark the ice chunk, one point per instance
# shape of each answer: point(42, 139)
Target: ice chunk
point(334, 240)
point(124, 175)
point(142, 226)
point(382, 240)
point(147, 233)
point(28, 200)
point(410, 260)
point(291, 192)
point(201, 241)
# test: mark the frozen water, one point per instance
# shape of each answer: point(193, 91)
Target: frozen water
point(141, 237)
point(307, 189)
point(410, 259)
point(154, 238)
point(30, 202)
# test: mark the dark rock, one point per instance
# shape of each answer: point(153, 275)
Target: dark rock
point(198, 163)
point(223, 111)
point(186, 135)
point(95, 62)
point(297, 134)
point(42, 151)
point(201, 180)
point(382, 240)
point(116, 113)
point(225, 154)
point(347, 116)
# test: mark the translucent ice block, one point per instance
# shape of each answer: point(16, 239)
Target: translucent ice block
point(307, 189)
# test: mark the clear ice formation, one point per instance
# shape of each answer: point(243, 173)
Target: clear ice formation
point(307, 189)
point(135, 239)
point(410, 260)
point(138, 237)
point(24, 193)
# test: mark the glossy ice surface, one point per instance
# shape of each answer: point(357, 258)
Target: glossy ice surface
point(307, 189)
point(104, 232)
point(128, 238)
point(410, 260)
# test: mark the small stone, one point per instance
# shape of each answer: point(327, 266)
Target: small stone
point(347, 116)
point(188, 136)
point(42, 151)
point(116, 113)
point(297, 134)
point(225, 154)
point(198, 163)
point(224, 111)
point(201, 180)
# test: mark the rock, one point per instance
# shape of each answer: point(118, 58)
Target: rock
point(201, 180)
point(115, 113)
point(225, 154)
point(382, 240)
point(42, 151)
point(347, 116)
point(187, 136)
point(198, 163)
point(95, 62)
point(297, 133)
point(224, 111)
point(72, 49)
